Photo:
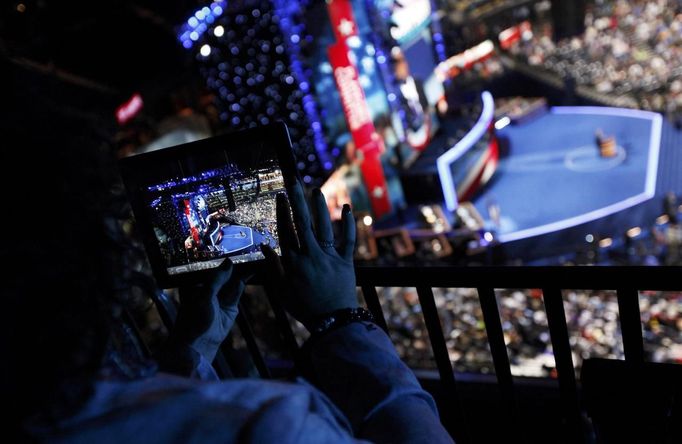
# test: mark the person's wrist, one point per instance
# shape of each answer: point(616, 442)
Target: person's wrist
point(331, 321)
point(315, 314)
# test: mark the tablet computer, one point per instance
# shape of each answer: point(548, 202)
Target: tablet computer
point(201, 202)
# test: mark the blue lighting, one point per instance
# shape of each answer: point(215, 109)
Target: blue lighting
point(172, 183)
point(287, 10)
point(380, 18)
point(197, 24)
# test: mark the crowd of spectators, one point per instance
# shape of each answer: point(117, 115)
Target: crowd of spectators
point(630, 49)
point(592, 319)
point(591, 316)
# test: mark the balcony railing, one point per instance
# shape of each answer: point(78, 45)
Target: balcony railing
point(627, 281)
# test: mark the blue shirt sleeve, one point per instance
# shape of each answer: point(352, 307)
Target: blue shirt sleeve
point(358, 368)
point(184, 360)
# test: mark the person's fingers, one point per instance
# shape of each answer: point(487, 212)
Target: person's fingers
point(220, 277)
point(274, 264)
point(285, 227)
point(348, 236)
point(323, 224)
point(201, 295)
point(302, 221)
point(229, 294)
point(275, 277)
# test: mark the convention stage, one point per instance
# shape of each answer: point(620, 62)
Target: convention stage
point(554, 188)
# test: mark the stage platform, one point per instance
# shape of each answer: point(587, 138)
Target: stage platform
point(553, 188)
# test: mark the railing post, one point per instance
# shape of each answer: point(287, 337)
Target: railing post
point(247, 333)
point(498, 349)
point(568, 390)
point(285, 328)
point(369, 292)
point(631, 325)
point(456, 418)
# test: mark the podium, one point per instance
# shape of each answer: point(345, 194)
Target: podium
point(608, 147)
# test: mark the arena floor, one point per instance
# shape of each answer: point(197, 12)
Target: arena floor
point(554, 178)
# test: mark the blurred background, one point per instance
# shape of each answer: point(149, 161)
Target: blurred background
point(463, 132)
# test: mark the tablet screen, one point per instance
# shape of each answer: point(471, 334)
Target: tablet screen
point(208, 200)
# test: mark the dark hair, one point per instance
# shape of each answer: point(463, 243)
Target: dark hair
point(68, 266)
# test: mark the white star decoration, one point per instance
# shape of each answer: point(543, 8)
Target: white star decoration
point(346, 27)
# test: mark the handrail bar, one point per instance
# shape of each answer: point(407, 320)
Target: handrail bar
point(567, 277)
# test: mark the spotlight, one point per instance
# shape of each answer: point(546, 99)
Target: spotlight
point(218, 31)
point(663, 219)
point(502, 123)
point(367, 220)
point(634, 232)
point(205, 50)
point(606, 242)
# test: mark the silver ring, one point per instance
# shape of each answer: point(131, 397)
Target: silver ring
point(326, 244)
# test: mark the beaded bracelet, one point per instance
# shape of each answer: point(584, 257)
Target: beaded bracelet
point(339, 318)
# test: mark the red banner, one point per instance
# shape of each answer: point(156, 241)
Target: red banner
point(343, 22)
point(359, 120)
point(367, 141)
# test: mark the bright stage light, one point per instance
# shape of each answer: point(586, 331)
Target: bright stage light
point(367, 220)
point(205, 50)
point(502, 123)
point(606, 242)
point(219, 31)
point(634, 232)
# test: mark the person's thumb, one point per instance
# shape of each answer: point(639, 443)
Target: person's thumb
point(274, 267)
point(230, 293)
point(221, 276)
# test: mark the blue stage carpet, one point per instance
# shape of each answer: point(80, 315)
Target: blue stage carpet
point(554, 178)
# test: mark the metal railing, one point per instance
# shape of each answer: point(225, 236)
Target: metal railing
point(627, 281)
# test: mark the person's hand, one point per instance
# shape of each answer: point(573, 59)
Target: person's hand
point(208, 312)
point(318, 276)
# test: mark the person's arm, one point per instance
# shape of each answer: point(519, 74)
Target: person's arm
point(358, 368)
point(355, 365)
point(205, 318)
